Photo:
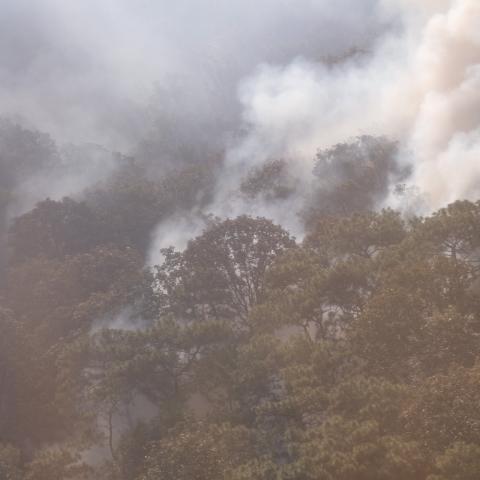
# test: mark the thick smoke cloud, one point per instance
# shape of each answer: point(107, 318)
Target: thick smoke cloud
point(247, 82)
point(99, 71)
point(420, 86)
point(446, 132)
point(155, 79)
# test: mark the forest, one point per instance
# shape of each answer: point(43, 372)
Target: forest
point(239, 240)
point(350, 354)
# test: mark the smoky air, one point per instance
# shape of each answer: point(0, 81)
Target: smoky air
point(239, 240)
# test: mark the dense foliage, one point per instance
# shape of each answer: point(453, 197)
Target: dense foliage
point(351, 355)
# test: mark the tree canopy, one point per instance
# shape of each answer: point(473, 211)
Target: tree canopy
point(350, 355)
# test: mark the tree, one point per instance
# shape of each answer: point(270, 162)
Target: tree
point(343, 450)
point(354, 176)
point(23, 154)
point(459, 462)
point(221, 273)
point(156, 364)
point(236, 378)
point(453, 231)
point(272, 181)
point(10, 463)
point(56, 464)
point(443, 410)
point(59, 298)
point(55, 229)
point(199, 452)
point(9, 350)
point(134, 200)
point(361, 234)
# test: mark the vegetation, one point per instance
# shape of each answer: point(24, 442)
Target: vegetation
point(351, 355)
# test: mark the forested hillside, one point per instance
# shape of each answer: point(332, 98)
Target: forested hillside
point(240, 240)
point(352, 354)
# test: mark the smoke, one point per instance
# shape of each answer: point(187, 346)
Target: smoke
point(420, 85)
point(102, 72)
point(445, 134)
point(75, 169)
point(156, 80)
point(247, 82)
point(126, 319)
point(176, 231)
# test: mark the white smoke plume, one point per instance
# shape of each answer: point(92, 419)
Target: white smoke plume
point(98, 72)
point(445, 135)
point(156, 80)
point(176, 231)
point(254, 79)
point(421, 85)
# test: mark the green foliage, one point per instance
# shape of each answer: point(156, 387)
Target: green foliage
point(9, 344)
point(55, 229)
point(23, 153)
point(342, 449)
point(363, 234)
point(444, 409)
point(272, 181)
point(56, 464)
point(132, 202)
point(10, 463)
point(199, 451)
point(351, 356)
point(354, 176)
point(221, 273)
point(459, 462)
